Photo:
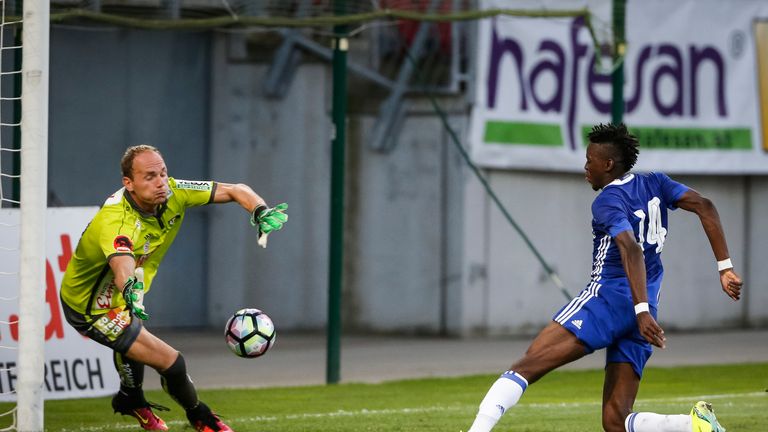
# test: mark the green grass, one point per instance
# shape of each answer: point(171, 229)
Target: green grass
point(563, 400)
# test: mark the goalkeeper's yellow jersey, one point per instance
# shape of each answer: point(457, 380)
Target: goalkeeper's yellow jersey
point(121, 228)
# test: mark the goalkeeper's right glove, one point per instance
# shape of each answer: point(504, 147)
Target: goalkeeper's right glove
point(133, 294)
point(267, 220)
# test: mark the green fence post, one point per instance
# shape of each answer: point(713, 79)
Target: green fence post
point(619, 49)
point(339, 114)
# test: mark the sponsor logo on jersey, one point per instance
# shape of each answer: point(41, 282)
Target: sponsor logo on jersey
point(123, 244)
point(193, 185)
point(146, 247)
point(104, 298)
point(173, 220)
point(112, 323)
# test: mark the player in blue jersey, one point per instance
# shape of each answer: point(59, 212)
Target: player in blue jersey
point(617, 310)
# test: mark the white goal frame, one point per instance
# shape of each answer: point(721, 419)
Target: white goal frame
point(33, 207)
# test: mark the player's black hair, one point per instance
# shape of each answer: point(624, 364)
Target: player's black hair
point(624, 143)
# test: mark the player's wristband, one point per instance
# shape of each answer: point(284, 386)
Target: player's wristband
point(641, 307)
point(724, 264)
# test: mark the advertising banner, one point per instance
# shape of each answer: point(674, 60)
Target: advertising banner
point(74, 365)
point(694, 92)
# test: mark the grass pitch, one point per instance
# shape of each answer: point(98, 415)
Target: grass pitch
point(563, 400)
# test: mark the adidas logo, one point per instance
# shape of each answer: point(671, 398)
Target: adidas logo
point(577, 323)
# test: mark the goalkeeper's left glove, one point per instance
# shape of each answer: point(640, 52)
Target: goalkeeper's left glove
point(133, 294)
point(267, 220)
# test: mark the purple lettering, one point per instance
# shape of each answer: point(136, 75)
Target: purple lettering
point(697, 58)
point(645, 53)
point(499, 47)
point(579, 51)
point(555, 103)
point(659, 75)
point(675, 71)
point(595, 78)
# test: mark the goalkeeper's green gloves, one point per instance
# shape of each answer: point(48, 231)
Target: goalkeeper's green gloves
point(133, 294)
point(267, 220)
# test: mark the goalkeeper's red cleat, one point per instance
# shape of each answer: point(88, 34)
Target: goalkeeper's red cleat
point(204, 420)
point(147, 419)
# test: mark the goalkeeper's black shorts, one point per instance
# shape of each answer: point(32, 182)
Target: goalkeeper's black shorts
point(116, 329)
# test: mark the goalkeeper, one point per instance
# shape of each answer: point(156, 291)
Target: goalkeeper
point(113, 266)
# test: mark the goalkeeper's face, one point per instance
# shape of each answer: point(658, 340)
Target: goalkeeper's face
point(149, 185)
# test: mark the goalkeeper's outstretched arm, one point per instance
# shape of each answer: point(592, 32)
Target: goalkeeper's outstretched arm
point(240, 193)
point(263, 218)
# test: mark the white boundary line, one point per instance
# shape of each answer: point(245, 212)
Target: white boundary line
point(128, 424)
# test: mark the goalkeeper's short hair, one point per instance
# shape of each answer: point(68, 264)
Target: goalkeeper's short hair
point(126, 162)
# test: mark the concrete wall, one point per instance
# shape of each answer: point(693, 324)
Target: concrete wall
point(113, 88)
point(756, 247)
point(425, 248)
point(426, 251)
point(281, 148)
point(398, 236)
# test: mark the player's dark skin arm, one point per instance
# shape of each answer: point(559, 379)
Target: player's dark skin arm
point(634, 266)
point(693, 202)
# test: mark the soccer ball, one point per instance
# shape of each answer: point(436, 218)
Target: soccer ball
point(249, 333)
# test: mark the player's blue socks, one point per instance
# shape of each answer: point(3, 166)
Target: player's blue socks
point(503, 394)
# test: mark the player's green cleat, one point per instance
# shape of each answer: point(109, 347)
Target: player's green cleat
point(703, 418)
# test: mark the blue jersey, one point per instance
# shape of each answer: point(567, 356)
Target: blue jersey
point(637, 203)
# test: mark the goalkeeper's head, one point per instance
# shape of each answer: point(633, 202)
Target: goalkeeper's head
point(145, 176)
point(126, 163)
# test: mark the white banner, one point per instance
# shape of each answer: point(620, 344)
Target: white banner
point(692, 93)
point(74, 365)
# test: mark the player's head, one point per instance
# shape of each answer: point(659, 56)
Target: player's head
point(612, 152)
point(145, 176)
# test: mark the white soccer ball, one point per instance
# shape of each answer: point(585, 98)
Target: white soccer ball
point(250, 333)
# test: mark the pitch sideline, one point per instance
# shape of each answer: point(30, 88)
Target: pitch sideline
point(405, 411)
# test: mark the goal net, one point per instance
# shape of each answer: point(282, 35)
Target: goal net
point(23, 191)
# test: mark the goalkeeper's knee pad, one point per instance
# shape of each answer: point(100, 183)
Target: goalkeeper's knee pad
point(178, 385)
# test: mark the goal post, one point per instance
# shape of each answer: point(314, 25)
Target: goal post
point(34, 186)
